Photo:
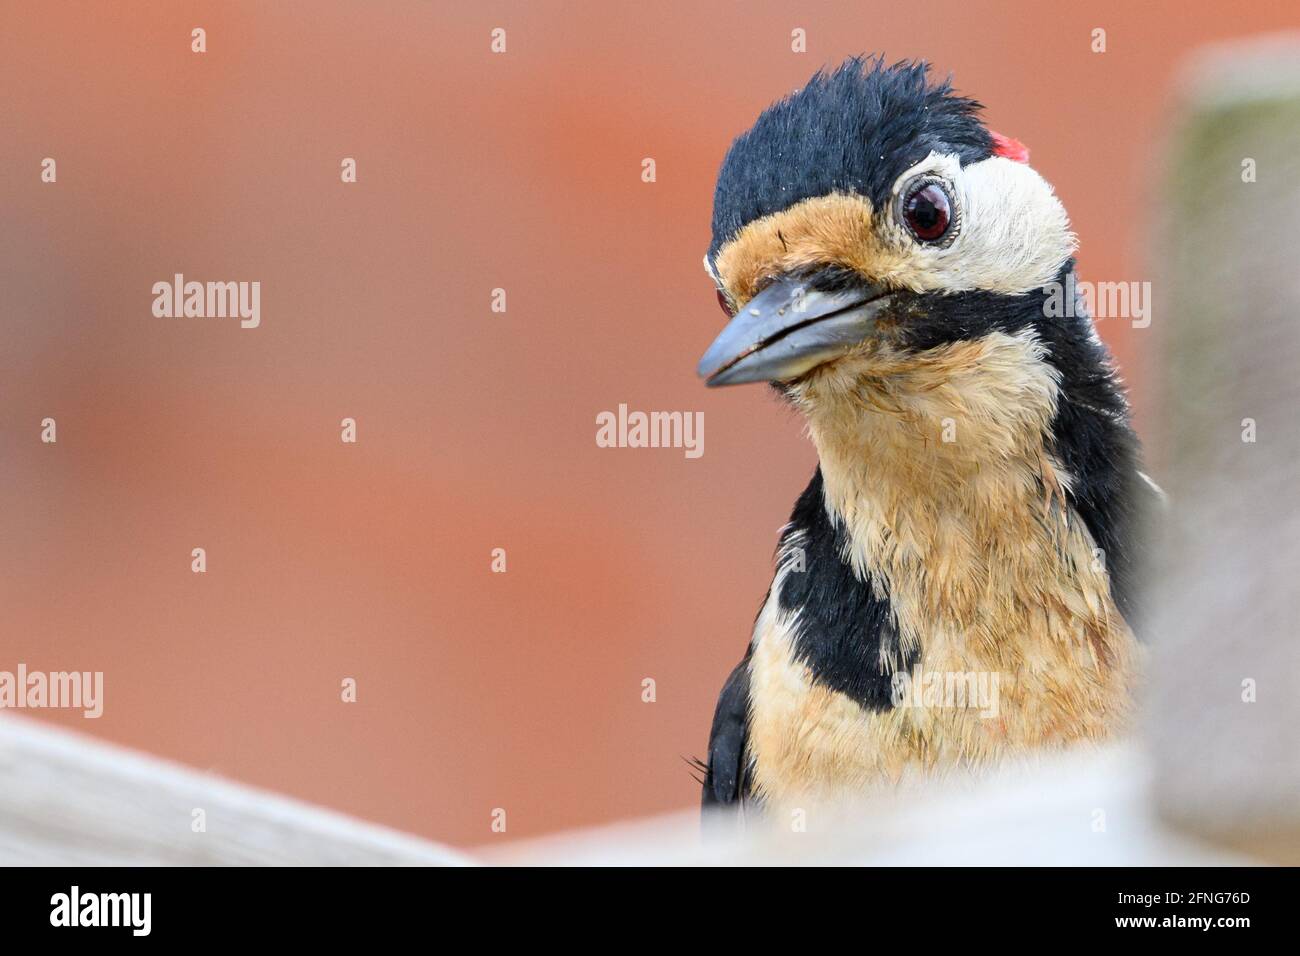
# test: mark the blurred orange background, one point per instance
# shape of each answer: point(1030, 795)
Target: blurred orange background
point(476, 429)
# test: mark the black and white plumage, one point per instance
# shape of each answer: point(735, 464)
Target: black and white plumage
point(888, 263)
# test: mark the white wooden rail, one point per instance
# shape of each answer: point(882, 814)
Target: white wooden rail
point(68, 799)
point(1088, 808)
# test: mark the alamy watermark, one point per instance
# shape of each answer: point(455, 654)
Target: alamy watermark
point(1101, 300)
point(947, 690)
point(59, 690)
point(133, 911)
point(626, 429)
point(209, 300)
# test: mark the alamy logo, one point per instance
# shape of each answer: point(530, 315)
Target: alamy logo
point(1101, 300)
point(947, 690)
point(651, 430)
point(75, 690)
point(209, 300)
point(75, 908)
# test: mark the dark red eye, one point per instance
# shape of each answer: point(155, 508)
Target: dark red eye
point(928, 211)
point(722, 301)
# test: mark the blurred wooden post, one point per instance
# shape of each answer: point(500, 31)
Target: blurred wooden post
point(1224, 712)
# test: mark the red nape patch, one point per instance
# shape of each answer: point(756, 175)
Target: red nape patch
point(1012, 149)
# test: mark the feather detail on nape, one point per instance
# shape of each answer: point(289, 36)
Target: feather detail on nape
point(1010, 148)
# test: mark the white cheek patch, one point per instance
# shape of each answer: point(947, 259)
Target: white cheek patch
point(1014, 235)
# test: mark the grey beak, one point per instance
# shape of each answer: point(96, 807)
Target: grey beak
point(788, 329)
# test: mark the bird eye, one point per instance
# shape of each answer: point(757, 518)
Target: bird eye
point(726, 306)
point(927, 210)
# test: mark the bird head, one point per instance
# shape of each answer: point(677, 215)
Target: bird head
point(870, 219)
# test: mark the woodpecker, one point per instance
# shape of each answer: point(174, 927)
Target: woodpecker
point(895, 270)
